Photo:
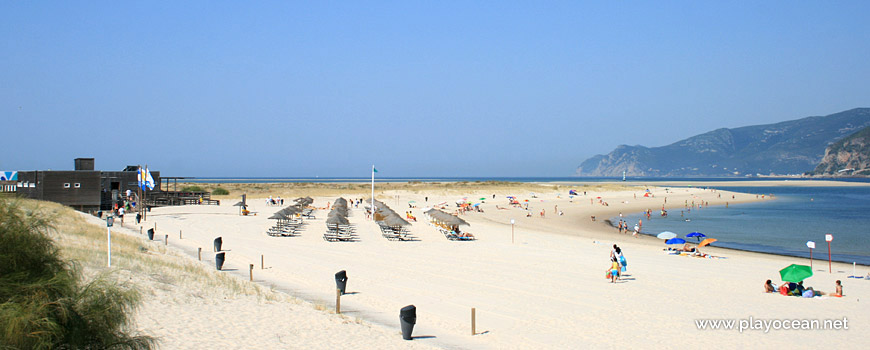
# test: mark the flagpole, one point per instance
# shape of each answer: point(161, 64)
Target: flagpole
point(139, 193)
point(373, 191)
point(145, 193)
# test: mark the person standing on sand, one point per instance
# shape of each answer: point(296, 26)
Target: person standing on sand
point(636, 230)
point(614, 270)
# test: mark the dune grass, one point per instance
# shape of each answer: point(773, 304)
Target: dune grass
point(44, 301)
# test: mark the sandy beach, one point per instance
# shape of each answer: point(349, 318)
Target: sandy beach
point(547, 289)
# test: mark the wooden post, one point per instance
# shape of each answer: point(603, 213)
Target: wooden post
point(179, 234)
point(166, 240)
point(140, 230)
point(199, 253)
point(337, 301)
point(473, 328)
point(252, 272)
point(262, 266)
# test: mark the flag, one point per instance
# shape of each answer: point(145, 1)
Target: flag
point(149, 181)
point(373, 169)
point(145, 179)
point(140, 178)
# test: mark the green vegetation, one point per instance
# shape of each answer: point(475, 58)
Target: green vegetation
point(220, 191)
point(192, 188)
point(43, 302)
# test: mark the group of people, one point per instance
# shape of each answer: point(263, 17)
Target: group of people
point(270, 201)
point(798, 289)
point(618, 265)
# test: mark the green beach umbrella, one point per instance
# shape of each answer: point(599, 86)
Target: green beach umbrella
point(796, 273)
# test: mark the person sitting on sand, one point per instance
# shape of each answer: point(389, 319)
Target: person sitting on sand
point(838, 292)
point(769, 287)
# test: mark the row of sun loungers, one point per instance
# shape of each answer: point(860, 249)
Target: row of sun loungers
point(290, 219)
point(396, 233)
point(340, 233)
point(443, 222)
point(338, 228)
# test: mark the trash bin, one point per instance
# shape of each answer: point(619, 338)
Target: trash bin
point(100, 214)
point(408, 317)
point(341, 280)
point(217, 244)
point(219, 260)
point(138, 218)
point(150, 234)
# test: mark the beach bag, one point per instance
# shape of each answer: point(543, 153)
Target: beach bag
point(783, 289)
point(623, 262)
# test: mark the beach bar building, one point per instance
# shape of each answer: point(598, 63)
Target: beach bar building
point(84, 188)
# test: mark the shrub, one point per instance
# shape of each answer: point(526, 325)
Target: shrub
point(193, 188)
point(220, 192)
point(43, 302)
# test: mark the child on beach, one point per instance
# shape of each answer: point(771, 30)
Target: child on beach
point(614, 270)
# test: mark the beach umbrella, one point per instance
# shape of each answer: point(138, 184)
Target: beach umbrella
point(337, 220)
point(278, 216)
point(696, 234)
point(795, 273)
point(675, 241)
point(666, 235)
point(412, 201)
point(239, 204)
point(707, 242)
point(483, 199)
point(476, 204)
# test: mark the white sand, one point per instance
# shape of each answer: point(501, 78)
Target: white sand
point(547, 290)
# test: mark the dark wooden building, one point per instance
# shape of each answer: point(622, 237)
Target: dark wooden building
point(84, 188)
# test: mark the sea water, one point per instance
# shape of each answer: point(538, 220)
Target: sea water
point(781, 225)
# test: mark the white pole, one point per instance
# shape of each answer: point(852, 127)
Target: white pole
point(109, 233)
point(373, 191)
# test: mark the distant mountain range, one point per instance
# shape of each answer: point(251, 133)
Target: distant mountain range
point(849, 156)
point(791, 147)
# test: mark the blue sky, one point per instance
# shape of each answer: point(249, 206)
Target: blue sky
point(419, 88)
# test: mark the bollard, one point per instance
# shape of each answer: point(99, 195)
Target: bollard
point(217, 244)
point(473, 330)
point(408, 317)
point(140, 230)
point(199, 253)
point(150, 234)
point(219, 260)
point(251, 270)
point(341, 280)
point(337, 301)
point(262, 267)
point(179, 234)
point(166, 240)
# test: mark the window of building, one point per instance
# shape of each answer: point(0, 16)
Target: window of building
point(77, 185)
point(66, 185)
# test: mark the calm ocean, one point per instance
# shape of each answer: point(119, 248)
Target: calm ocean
point(781, 226)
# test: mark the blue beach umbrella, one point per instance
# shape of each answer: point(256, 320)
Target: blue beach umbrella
point(675, 241)
point(696, 234)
